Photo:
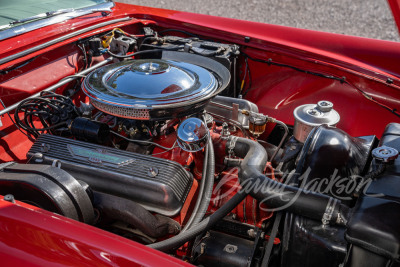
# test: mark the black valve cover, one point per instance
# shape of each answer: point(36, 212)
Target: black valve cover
point(159, 185)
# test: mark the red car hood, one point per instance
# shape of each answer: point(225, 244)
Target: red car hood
point(395, 7)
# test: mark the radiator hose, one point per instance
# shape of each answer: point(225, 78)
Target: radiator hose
point(276, 195)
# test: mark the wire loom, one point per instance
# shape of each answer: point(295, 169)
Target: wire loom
point(46, 113)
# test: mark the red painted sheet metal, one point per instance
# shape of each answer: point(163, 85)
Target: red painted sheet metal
point(24, 82)
point(33, 237)
point(277, 91)
point(13, 144)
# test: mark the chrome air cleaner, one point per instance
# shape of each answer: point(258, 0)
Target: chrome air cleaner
point(178, 84)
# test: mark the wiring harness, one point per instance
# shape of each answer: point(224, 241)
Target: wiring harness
point(45, 114)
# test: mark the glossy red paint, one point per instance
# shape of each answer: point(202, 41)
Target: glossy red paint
point(278, 91)
point(33, 237)
point(13, 144)
point(46, 239)
point(177, 154)
point(27, 40)
point(26, 80)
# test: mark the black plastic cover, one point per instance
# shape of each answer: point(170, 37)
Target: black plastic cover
point(47, 187)
point(375, 226)
point(359, 257)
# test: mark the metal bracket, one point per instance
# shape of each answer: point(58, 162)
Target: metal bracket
point(232, 145)
point(330, 208)
point(56, 163)
point(9, 198)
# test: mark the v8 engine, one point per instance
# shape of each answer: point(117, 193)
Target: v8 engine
point(157, 143)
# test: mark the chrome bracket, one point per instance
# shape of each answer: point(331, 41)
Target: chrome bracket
point(232, 145)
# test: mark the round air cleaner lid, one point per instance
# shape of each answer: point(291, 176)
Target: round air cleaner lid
point(151, 89)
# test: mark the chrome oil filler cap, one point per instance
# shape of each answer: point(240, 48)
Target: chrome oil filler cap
point(192, 135)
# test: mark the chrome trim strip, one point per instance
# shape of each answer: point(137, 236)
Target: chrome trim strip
point(60, 39)
point(30, 26)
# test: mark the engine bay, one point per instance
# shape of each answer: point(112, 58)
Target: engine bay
point(160, 138)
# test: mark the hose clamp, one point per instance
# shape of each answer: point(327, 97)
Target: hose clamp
point(341, 220)
point(231, 146)
point(329, 210)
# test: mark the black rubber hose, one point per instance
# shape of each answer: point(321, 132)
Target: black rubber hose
point(201, 191)
point(132, 213)
point(277, 195)
point(282, 140)
point(369, 176)
point(204, 225)
point(374, 174)
point(208, 185)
